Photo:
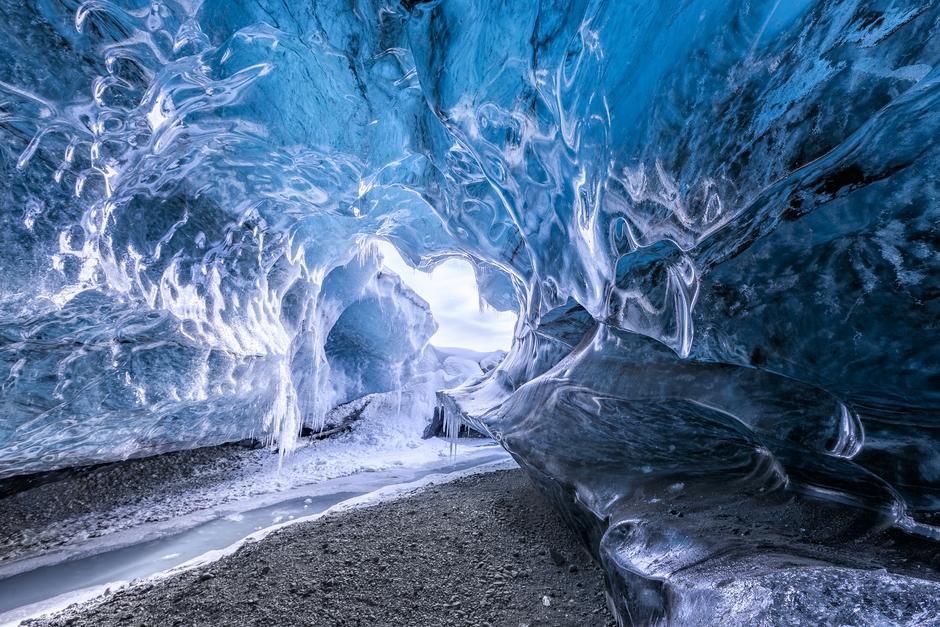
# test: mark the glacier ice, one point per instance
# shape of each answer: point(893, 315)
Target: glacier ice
point(76, 396)
point(717, 221)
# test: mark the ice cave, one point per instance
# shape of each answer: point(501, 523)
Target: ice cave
point(579, 312)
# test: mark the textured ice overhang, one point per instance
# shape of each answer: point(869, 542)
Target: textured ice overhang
point(154, 387)
point(718, 222)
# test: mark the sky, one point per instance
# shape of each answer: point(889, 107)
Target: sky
point(451, 291)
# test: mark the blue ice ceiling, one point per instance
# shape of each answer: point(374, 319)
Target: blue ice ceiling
point(718, 222)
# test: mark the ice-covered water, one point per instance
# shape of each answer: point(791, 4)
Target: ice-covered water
point(717, 221)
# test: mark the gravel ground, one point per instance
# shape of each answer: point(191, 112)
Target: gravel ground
point(84, 503)
point(482, 550)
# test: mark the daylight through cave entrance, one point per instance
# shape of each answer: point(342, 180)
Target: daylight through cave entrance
point(464, 319)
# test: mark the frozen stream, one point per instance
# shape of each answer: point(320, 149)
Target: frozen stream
point(205, 536)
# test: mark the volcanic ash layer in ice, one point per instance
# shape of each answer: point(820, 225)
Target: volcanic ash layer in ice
point(718, 222)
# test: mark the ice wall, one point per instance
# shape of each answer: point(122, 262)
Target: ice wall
point(76, 396)
point(728, 214)
point(183, 205)
point(718, 222)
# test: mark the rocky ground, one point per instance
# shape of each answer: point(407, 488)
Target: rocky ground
point(55, 510)
point(482, 550)
point(61, 511)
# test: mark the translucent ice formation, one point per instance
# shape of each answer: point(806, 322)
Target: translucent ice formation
point(717, 220)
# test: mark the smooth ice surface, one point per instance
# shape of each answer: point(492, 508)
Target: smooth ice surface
point(717, 222)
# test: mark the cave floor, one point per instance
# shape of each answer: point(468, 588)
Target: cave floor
point(482, 550)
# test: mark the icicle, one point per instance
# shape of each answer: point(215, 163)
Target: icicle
point(451, 430)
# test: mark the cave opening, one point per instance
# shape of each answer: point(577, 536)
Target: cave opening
point(465, 320)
